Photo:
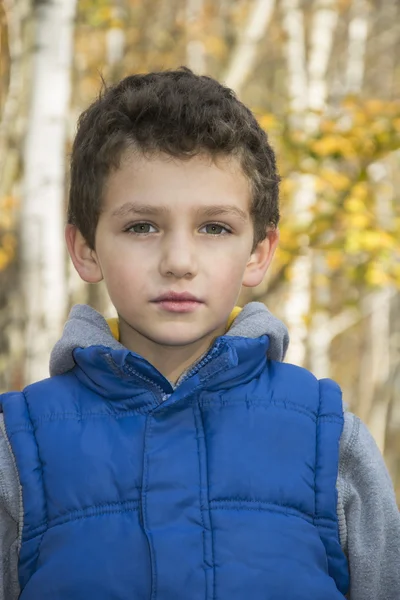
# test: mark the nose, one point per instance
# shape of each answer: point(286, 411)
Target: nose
point(178, 256)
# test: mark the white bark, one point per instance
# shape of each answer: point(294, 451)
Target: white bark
point(42, 245)
point(375, 404)
point(322, 34)
point(295, 48)
point(195, 49)
point(325, 23)
point(307, 92)
point(115, 38)
point(245, 53)
point(297, 305)
point(358, 34)
point(298, 300)
point(324, 331)
point(115, 44)
point(16, 13)
point(321, 44)
point(374, 396)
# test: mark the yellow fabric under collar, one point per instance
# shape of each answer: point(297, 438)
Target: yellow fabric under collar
point(114, 327)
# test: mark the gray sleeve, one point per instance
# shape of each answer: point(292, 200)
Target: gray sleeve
point(10, 507)
point(369, 519)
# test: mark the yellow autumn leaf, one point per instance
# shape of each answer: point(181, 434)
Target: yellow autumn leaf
point(378, 127)
point(287, 186)
point(9, 242)
point(354, 204)
point(283, 257)
point(288, 239)
point(326, 145)
point(216, 46)
point(6, 219)
point(321, 185)
point(358, 220)
point(333, 144)
point(337, 180)
point(371, 240)
point(375, 276)
point(327, 126)
point(387, 241)
point(360, 118)
point(8, 203)
point(334, 259)
point(4, 259)
point(367, 146)
point(360, 190)
point(396, 273)
point(321, 280)
point(267, 121)
point(375, 107)
point(353, 242)
point(350, 103)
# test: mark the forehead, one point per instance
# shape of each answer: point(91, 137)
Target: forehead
point(173, 184)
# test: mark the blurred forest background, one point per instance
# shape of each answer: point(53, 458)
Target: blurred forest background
point(323, 78)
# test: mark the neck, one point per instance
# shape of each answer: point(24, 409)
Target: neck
point(170, 361)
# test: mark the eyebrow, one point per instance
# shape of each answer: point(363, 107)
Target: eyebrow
point(208, 211)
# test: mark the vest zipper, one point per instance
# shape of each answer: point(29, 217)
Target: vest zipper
point(196, 367)
point(131, 371)
point(191, 371)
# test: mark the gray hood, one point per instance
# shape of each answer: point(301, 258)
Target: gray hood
point(86, 327)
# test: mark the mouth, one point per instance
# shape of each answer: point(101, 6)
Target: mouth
point(178, 302)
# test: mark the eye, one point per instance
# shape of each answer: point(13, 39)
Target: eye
point(216, 229)
point(140, 228)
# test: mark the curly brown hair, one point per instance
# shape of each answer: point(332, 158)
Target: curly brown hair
point(177, 113)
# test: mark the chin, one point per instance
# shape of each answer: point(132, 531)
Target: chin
point(174, 337)
point(176, 340)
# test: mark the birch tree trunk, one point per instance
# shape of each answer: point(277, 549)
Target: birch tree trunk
point(195, 50)
point(245, 53)
point(297, 304)
point(374, 403)
point(377, 322)
point(374, 396)
point(42, 215)
point(320, 330)
point(10, 120)
point(308, 92)
point(374, 393)
point(358, 34)
point(12, 129)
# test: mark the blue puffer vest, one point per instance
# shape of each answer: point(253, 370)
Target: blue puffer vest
point(220, 489)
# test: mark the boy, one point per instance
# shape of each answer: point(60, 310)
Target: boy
point(172, 455)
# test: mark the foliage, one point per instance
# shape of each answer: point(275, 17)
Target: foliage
point(355, 219)
point(345, 222)
point(8, 240)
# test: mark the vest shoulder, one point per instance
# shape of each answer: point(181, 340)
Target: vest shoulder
point(39, 386)
point(41, 391)
point(283, 368)
point(287, 369)
point(290, 380)
point(44, 386)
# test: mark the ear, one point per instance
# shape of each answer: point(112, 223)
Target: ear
point(260, 259)
point(84, 258)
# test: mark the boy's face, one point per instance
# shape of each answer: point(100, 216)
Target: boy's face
point(173, 227)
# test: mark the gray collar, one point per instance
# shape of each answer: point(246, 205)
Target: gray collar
point(86, 327)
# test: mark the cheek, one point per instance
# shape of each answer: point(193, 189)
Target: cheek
point(121, 273)
point(227, 273)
